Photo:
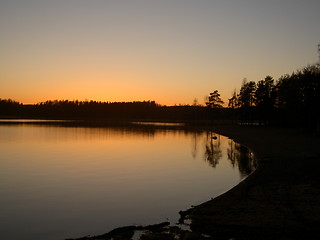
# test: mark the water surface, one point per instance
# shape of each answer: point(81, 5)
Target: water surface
point(60, 182)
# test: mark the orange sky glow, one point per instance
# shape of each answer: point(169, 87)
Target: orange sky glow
point(172, 52)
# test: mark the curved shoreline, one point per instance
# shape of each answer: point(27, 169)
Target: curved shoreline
point(280, 200)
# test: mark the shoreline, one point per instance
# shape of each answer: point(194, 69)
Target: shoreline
point(280, 200)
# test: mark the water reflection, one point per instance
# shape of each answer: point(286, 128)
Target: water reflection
point(62, 180)
point(213, 151)
point(242, 158)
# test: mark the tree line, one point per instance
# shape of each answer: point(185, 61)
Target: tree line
point(291, 100)
point(97, 110)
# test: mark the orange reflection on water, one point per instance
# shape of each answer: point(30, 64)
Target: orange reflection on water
point(76, 181)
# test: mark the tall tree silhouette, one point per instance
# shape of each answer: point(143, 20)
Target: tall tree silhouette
point(214, 100)
point(246, 96)
point(265, 96)
point(233, 101)
point(246, 100)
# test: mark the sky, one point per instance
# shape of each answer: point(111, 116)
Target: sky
point(168, 51)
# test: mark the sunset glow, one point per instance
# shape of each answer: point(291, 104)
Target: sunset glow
point(171, 52)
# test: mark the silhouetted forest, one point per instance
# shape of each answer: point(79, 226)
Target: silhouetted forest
point(93, 110)
point(292, 100)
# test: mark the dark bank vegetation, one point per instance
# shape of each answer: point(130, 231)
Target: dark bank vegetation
point(292, 100)
point(93, 110)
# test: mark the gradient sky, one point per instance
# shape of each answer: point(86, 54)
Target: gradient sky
point(170, 51)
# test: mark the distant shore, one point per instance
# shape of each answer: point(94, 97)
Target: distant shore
point(280, 200)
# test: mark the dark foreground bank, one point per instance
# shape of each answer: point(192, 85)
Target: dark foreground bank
point(280, 200)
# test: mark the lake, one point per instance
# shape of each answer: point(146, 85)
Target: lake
point(60, 182)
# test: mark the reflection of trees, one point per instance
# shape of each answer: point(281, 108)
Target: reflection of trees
point(213, 151)
point(195, 142)
point(241, 156)
point(194, 147)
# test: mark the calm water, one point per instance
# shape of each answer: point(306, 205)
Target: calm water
point(64, 182)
